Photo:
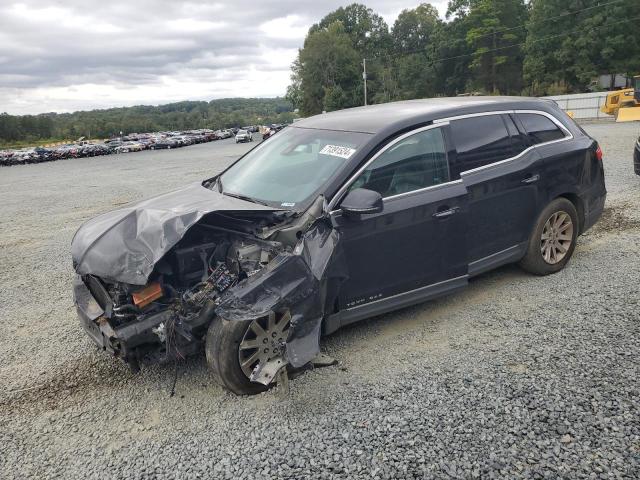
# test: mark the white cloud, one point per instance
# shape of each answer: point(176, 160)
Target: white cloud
point(290, 27)
point(84, 54)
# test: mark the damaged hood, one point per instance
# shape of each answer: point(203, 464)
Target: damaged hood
point(125, 244)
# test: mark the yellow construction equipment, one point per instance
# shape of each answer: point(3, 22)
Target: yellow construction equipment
point(624, 104)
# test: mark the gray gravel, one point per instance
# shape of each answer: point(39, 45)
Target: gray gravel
point(516, 377)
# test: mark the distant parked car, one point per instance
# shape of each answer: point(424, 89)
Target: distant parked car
point(132, 142)
point(243, 136)
point(164, 143)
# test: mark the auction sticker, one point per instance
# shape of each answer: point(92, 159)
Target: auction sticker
point(338, 151)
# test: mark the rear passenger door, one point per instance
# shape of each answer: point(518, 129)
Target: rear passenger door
point(502, 176)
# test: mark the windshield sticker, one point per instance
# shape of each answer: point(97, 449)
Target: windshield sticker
point(287, 204)
point(338, 151)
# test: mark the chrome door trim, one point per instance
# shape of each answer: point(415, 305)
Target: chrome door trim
point(408, 292)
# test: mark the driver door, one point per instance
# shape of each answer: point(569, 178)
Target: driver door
point(416, 245)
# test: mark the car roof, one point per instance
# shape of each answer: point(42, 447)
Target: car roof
point(377, 118)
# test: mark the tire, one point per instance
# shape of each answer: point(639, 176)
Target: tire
point(224, 353)
point(550, 254)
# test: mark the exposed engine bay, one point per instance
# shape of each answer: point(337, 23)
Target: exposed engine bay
point(234, 265)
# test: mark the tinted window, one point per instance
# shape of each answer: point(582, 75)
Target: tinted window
point(518, 139)
point(480, 141)
point(416, 162)
point(540, 128)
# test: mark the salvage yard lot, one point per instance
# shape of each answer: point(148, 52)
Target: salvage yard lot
point(514, 376)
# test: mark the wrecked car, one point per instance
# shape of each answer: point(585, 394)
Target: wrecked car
point(339, 217)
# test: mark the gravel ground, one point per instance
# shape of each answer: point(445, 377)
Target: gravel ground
point(515, 377)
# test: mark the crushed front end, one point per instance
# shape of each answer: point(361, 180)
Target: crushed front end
point(151, 278)
point(167, 317)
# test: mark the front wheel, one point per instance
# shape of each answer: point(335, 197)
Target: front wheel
point(235, 348)
point(553, 239)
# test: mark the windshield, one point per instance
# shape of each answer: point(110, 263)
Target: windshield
point(242, 132)
point(292, 166)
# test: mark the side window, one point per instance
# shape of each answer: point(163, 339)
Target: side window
point(416, 162)
point(518, 139)
point(540, 128)
point(480, 141)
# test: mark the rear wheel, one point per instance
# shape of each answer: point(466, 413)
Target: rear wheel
point(235, 348)
point(553, 239)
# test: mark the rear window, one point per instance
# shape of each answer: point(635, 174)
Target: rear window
point(480, 141)
point(540, 128)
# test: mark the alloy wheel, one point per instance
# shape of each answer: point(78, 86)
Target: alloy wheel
point(557, 236)
point(263, 341)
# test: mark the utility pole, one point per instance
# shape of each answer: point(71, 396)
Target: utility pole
point(364, 77)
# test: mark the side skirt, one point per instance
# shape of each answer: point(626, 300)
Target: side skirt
point(395, 302)
point(495, 260)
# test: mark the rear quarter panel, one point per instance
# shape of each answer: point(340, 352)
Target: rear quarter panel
point(571, 167)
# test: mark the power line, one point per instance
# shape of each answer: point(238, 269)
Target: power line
point(455, 57)
point(566, 14)
point(409, 52)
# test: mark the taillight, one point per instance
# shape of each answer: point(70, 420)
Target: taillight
point(599, 153)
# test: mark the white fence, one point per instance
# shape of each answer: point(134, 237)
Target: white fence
point(583, 105)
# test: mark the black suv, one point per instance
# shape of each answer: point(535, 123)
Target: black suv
point(339, 217)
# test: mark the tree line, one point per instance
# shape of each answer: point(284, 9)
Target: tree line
point(508, 47)
point(223, 113)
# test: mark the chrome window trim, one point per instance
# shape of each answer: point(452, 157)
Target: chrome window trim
point(343, 190)
point(443, 122)
point(567, 136)
point(431, 187)
point(553, 119)
point(471, 115)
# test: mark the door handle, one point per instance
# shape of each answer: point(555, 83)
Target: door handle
point(446, 213)
point(531, 179)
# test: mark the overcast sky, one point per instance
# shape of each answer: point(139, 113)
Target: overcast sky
point(69, 55)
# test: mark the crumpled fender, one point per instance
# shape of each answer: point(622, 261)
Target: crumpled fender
point(125, 244)
point(297, 282)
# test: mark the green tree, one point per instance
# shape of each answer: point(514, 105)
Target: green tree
point(414, 28)
point(327, 61)
point(570, 42)
point(413, 35)
point(367, 30)
point(453, 54)
point(370, 38)
point(176, 116)
point(294, 90)
point(494, 32)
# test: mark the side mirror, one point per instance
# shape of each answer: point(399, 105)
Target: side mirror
point(362, 201)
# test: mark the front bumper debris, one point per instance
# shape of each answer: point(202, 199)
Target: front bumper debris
point(144, 339)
